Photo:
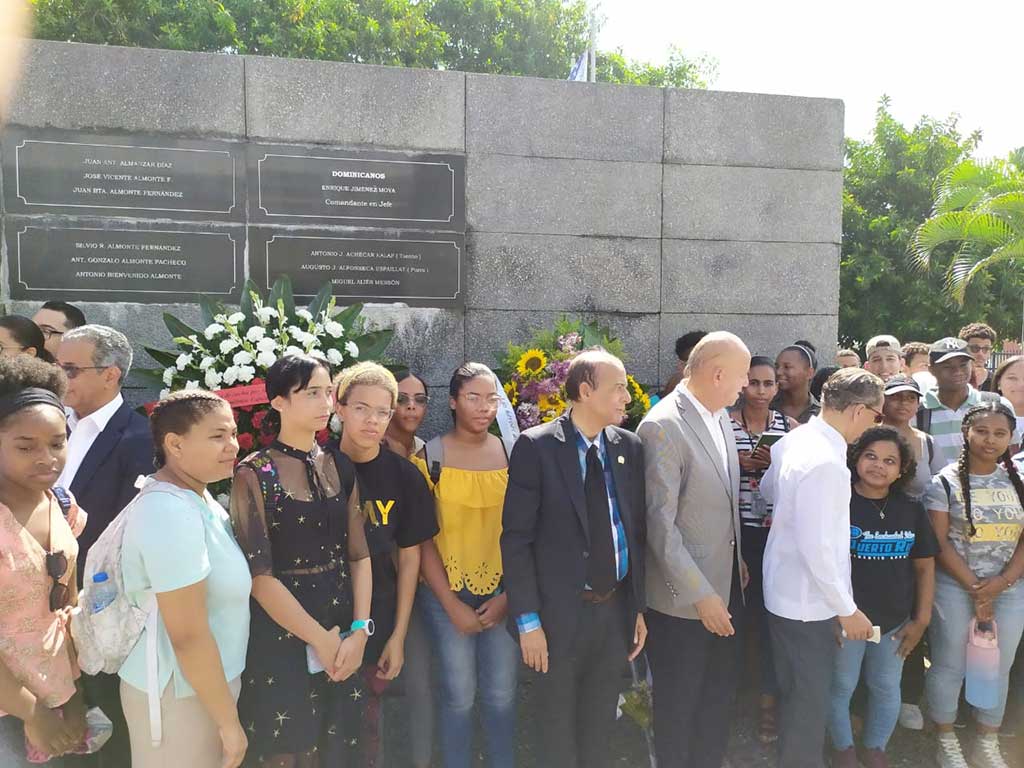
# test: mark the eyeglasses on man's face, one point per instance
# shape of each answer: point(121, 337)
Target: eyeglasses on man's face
point(74, 371)
point(49, 332)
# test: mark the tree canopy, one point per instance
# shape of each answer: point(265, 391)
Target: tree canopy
point(540, 38)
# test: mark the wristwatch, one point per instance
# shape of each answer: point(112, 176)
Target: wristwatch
point(364, 624)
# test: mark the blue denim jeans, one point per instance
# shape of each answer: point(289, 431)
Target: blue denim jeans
point(487, 662)
point(951, 619)
point(882, 669)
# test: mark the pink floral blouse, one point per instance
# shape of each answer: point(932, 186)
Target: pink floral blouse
point(34, 642)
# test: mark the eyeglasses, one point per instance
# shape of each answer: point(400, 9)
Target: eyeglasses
point(977, 349)
point(366, 413)
point(878, 414)
point(404, 399)
point(72, 371)
point(475, 400)
point(49, 331)
point(56, 567)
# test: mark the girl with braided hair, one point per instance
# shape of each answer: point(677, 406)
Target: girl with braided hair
point(977, 509)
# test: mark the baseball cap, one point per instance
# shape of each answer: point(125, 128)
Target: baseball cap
point(885, 342)
point(902, 384)
point(946, 349)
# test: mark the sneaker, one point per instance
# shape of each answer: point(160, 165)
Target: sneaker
point(948, 753)
point(844, 758)
point(911, 717)
point(874, 758)
point(985, 753)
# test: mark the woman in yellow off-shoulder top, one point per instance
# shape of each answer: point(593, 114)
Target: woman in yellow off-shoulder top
point(463, 602)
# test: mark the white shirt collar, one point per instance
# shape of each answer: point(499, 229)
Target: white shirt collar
point(101, 416)
point(831, 433)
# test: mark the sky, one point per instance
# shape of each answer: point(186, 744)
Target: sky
point(931, 58)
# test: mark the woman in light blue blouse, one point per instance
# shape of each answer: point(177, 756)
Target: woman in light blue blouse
point(179, 545)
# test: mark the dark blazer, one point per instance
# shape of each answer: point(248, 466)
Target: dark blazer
point(105, 482)
point(545, 537)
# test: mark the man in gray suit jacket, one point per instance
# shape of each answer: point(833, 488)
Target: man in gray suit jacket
point(694, 572)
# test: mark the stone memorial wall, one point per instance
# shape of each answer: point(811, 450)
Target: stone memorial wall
point(465, 209)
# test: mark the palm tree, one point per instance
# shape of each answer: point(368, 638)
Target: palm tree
point(979, 210)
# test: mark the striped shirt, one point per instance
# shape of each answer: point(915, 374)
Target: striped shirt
point(945, 425)
point(749, 480)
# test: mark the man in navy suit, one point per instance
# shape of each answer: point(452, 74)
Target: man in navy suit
point(572, 549)
point(109, 446)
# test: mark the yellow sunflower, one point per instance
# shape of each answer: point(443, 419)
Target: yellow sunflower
point(512, 392)
point(551, 406)
point(532, 363)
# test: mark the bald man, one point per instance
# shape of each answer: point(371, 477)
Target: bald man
point(695, 576)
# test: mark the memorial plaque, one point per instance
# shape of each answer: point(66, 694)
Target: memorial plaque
point(415, 270)
point(140, 176)
point(357, 188)
point(165, 265)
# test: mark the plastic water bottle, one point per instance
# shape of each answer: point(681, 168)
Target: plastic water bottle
point(982, 674)
point(103, 592)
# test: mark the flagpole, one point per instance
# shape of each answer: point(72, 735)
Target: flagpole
point(591, 51)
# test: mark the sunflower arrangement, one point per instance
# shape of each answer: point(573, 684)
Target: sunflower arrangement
point(534, 374)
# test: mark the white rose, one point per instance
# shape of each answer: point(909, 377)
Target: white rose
point(267, 345)
point(334, 357)
point(220, 318)
point(293, 350)
point(334, 423)
point(213, 379)
point(212, 330)
point(352, 348)
point(255, 333)
point(183, 361)
point(169, 375)
point(231, 375)
point(227, 345)
point(191, 385)
point(334, 328)
point(164, 393)
point(206, 362)
point(317, 354)
point(266, 314)
point(236, 318)
point(266, 359)
point(246, 373)
point(242, 358)
point(304, 314)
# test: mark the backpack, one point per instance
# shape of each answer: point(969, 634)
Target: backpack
point(924, 415)
point(104, 640)
point(433, 453)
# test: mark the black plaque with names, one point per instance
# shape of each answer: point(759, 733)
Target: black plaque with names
point(158, 264)
point(418, 270)
point(74, 173)
point(359, 188)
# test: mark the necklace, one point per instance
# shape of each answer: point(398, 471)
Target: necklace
point(880, 510)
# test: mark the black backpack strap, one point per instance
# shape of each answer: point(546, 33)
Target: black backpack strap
point(433, 453)
point(63, 499)
point(924, 418)
point(949, 491)
point(930, 442)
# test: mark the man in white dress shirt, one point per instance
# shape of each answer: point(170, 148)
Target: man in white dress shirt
point(807, 558)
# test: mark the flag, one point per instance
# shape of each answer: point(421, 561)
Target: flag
point(579, 69)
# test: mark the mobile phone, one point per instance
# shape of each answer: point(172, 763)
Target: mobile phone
point(768, 439)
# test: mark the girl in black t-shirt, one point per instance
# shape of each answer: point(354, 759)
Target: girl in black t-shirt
point(398, 511)
point(892, 551)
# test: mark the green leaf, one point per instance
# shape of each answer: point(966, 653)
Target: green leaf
point(152, 375)
point(372, 345)
point(210, 308)
point(282, 291)
point(348, 315)
point(246, 305)
point(321, 300)
point(178, 328)
point(165, 358)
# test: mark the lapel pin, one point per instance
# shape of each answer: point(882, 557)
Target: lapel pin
point(622, 459)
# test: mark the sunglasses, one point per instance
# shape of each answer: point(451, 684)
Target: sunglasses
point(404, 399)
point(878, 414)
point(73, 371)
point(56, 567)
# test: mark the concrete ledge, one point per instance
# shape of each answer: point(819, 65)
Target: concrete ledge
point(489, 332)
point(95, 87)
point(555, 118)
point(354, 104)
point(753, 204)
point(773, 278)
point(563, 197)
point(763, 334)
point(724, 128)
point(560, 272)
